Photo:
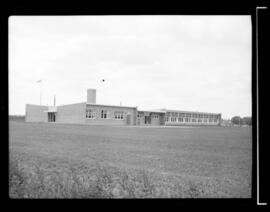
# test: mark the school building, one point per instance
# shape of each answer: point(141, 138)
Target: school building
point(90, 112)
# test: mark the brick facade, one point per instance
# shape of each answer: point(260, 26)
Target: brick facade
point(110, 120)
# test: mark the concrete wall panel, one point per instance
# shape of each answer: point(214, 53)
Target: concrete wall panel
point(35, 113)
point(73, 113)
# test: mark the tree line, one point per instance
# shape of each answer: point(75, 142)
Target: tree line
point(241, 121)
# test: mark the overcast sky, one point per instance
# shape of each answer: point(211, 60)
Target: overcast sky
point(196, 63)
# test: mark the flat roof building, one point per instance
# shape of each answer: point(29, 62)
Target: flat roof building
point(99, 114)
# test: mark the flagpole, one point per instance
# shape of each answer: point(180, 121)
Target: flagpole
point(40, 91)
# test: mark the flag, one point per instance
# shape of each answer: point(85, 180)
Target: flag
point(39, 81)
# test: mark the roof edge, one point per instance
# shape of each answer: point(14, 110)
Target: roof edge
point(184, 111)
point(109, 105)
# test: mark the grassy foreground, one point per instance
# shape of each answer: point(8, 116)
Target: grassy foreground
point(103, 182)
point(73, 161)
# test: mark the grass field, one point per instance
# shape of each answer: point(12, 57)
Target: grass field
point(78, 161)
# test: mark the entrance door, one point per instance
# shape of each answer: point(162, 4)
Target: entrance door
point(51, 117)
point(147, 120)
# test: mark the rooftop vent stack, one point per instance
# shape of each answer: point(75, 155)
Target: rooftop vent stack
point(91, 96)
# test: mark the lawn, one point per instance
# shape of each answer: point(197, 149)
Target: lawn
point(127, 162)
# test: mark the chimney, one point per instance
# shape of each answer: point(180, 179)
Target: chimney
point(91, 96)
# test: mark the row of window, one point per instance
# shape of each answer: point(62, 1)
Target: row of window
point(191, 115)
point(91, 114)
point(104, 114)
point(152, 116)
point(119, 115)
point(174, 119)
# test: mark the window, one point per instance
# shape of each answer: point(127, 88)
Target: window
point(140, 115)
point(166, 118)
point(188, 115)
point(199, 120)
point(193, 120)
point(195, 115)
point(155, 116)
point(210, 120)
point(174, 114)
point(186, 119)
point(119, 115)
point(181, 115)
point(205, 120)
point(91, 114)
point(180, 119)
point(104, 114)
point(173, 119)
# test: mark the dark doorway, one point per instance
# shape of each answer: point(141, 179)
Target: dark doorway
point(51, 117)
point(147, 120)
